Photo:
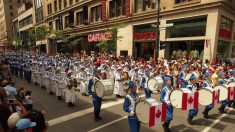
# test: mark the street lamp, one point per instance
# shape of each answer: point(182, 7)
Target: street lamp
point(156, 49)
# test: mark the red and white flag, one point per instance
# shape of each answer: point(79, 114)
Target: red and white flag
point(157, 114)
point(215, 97)
point(190, 101)
point(231, 93)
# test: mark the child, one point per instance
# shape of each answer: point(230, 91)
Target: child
point(29, 100)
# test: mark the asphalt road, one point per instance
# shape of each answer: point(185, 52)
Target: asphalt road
point(80, 117)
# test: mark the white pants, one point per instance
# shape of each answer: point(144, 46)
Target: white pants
point(59, 89)
point(70, 95)
point(83, 87)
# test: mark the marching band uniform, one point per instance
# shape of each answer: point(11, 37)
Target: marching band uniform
point(135, 77)
point(165, 98)
point(97, 101)
point(70, 91)
point(193, 88)
point(144, 81)
point(83, 77)
point(61, 84)
point(118, 89)
point(182, 75)
point(129, 106)
point(232, 79)
point(224, 103)
point(208, 85)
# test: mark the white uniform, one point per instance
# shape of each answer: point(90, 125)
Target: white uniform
point(61, 84)
point(70, 93)
point(118, 86)
point(52, 82)
point(83, 80)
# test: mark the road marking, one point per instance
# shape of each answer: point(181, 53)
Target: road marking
point(216, 121)
point(107, 124)
point(83, 112)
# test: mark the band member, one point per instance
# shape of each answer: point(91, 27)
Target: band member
point(135, 78)
point(182, 75)
point(70, 92)
point(61, 84)
point(208, 85)
point(193, 88)
point(83, 78)
point(224, 103)
point(165, 98)
point(144, 81)
point(52, 83)
point(129, 107)
point(97, 101)
point(232, 79)
point(118, 89)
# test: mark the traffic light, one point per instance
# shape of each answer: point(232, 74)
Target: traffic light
point(162, 45)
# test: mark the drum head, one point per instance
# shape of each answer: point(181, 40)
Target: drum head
point(231, 84)
point(176, 98)
point(142, 110)
point(152, 84)
point(99, 89)
point(205, 97)
point(223, 92)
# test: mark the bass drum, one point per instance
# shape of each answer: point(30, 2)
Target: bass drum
point(104, 88)
point(176, 97)
point(223, 91)
point(231, 84)
point(205, 96)
point(155, 83)
point(142, 109)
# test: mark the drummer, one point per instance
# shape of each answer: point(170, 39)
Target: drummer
point(207, 84)
point(97, 101)
point(224, 103)
point(165, 98)
point(192, 87)
point(129, 107)
point(232, 79)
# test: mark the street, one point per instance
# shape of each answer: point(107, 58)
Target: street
point(80, 117)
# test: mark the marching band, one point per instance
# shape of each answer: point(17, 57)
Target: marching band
point(62, 75)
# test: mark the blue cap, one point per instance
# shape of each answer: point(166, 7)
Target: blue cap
point(166, 79)
point(192, 77)
point(24, 123)
point(207, 74)
point(221, 73)
point(131, 85)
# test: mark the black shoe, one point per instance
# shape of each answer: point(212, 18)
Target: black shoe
point(165, 126)
point(70, 104)
point(221, 110)
point(190, 121)
point(118, 96)
point(50, 93)
point(59, 98)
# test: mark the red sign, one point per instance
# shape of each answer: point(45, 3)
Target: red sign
point(128, 5)
point(104, 15)
point(100, 37)
point(144, 36)
point(224, 33)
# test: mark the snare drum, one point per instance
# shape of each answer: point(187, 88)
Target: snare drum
point(205, 96)
point(104, 88)
point(142, 109)
point(155, 83)
point(176, 97)
point(223, 91)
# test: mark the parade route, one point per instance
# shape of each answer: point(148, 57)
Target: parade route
point(80, 117)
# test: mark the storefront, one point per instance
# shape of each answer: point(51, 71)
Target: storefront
point(144, 40)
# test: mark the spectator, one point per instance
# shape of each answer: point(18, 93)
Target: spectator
point(29, 100)
point(24, 125)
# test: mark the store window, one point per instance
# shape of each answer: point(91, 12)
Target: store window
point(79, 18)
point(222, 49)
point(144, 5)
point(117, 8)
point(187, 27)
point(226, 23)
point(96, 13)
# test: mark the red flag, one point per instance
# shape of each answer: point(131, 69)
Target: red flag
point(215, 98)
point(157, 114)
point(231, 93)
point(190, 101)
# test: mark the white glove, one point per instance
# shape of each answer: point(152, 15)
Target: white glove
point(132, 113)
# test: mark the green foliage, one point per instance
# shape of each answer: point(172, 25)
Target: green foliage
point(111, 45)
point(58, 35)
point(18, 42)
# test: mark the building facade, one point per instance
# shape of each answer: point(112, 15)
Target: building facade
point(202, 28)
point(7, 14)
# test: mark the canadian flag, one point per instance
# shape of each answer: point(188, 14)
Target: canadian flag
point(231, 93)
point(190, 101)
point(215, 98)
point(157, 114)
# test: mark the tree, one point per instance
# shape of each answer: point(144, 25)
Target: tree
point(111, 45)
point(18, 42)
point(42, 33)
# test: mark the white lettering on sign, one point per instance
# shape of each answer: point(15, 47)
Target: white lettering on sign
point(100, 37)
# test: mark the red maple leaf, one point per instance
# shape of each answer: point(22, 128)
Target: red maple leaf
point(158, 114)
point(190, 100)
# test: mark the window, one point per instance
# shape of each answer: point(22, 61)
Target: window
point(144, 5)
point(50, 25)
point(11, 7)
point(70, 2)
point(59, 4)
point(39, 14)
point(226, 23)
point(49, 9)
point(182, 1)
point(66, 20)
point(117, 8)
point(57, 24)
point(96, 13)
point(79, 18)
point(26, 21)
point(55, 5)
point(65, 3)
